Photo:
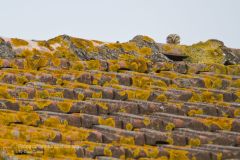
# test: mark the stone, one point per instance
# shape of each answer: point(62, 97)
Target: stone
point(180, 67)
point(144, 41)
point(138, 137)
point(232, 56)
point(6, 50)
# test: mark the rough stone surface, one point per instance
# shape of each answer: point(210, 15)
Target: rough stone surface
point(6, 50)
point(71, 98)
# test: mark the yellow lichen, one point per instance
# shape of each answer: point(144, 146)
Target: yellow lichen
point(64, 106)
point(52, 121)
point(107, 151)
point(233, 69)
point(146, 121)
point(26, 108)
point(57, 152)
point(208, 82)
point(18, 42)
point(170, 140)
point(238, 95)
point(223, 122)
point(161, 98)
point(60, 82)
point(217, 83)
point(64, 52)
point(56, 62)
point(90, 148)
point(136, 152)
point(80, 96)
point(194, 142)
point(127, 140)
point(143, 95)
point(217, 68)
point(169, 127)
point(145, 51)
point(44, 94)
point(210, 97)
point(152, 152)
point(107, 122)
point(45, 44)
point(43, 104)
point(103, 105)
point(131, 94)
point(167, 47)
point(160, 83)
point(93, 65)
point(205, 52)
point(141, 82)
point(25, 53)
point(177, 154)
point(195, 97)
point(77, 65)
point(114, 81)
point(147, 39)
point(165, 70)
point(133, 66)
point(7, 118)
point(56, 94)
point(23, 95)
point(37, 63)
point(4, 93)
point(78, 85)
point(237, 112)
point(193, 112)
point(97, 95)
point(72, 134)
point(129, 46)
point(114, 67)
point(1, 61)
point(95, 82)
point(22, 80)
point(219, 156)
point(31, 119)
point(2, 75)
point(122, 93)
point(129, 126)
point(236, 83)
point(123, 110)
point(142, 64)
point(84, 44)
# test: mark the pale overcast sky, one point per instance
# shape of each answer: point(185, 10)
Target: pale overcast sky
point(112, 20)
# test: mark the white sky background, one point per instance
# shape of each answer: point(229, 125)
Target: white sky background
point(112, 20)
